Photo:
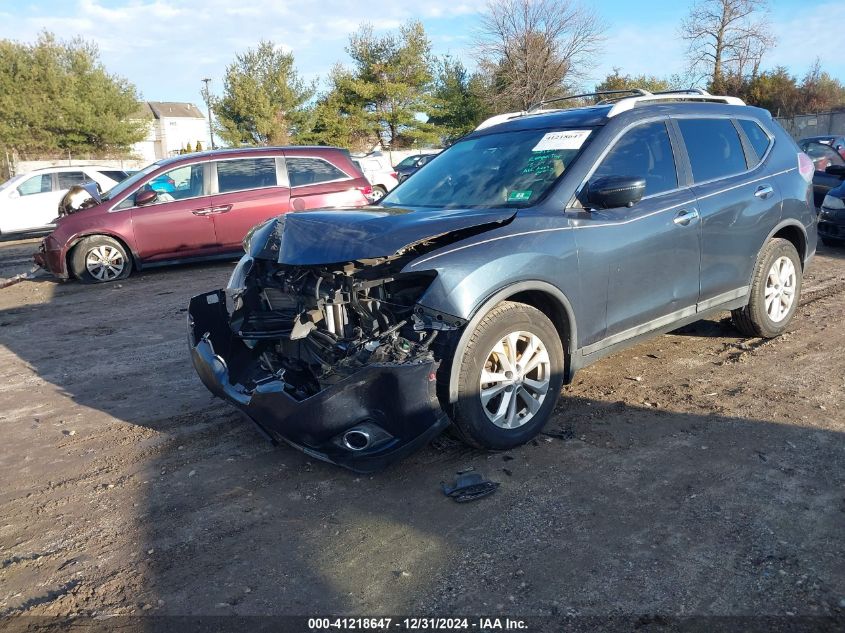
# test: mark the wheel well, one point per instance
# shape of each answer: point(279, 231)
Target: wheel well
point(795, 235)
point(553, 309)
point(76, 243)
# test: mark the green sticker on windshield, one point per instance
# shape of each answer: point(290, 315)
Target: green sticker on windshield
point(519, 196)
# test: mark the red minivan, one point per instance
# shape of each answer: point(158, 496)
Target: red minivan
point(192, 207)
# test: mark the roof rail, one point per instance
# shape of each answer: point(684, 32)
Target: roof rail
point(691, 94)
point(632, 91)
point(620, 103)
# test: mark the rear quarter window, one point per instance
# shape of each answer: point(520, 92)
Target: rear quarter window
point(758, 138)
point(117, 176)
point(714, 148)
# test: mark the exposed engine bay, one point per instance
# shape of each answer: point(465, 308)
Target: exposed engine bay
point(314, 326)
point(340, 360)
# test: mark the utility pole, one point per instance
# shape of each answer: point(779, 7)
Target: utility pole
point(207, 96)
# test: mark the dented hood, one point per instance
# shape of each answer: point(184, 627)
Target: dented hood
point(328, 237)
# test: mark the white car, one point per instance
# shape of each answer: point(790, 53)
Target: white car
point(29, 202)
point(379, 172)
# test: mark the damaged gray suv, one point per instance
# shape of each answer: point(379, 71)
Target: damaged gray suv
point(532, 247)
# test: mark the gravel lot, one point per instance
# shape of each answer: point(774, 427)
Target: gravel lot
point(698, 473)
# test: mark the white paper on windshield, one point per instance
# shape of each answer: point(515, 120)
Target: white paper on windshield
point(567, 139)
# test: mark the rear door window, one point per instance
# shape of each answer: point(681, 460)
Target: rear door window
point(311, 171)
point(68, 179)
point(644, 152)
point(760, 141)
point(36, 184)
point(714, 148)
point(246, 173)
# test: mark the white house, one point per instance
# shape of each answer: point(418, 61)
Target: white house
point(171, 127)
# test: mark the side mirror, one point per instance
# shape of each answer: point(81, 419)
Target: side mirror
point(835, 170)
point(14, 193)
point(611, 192)
point(145, 197)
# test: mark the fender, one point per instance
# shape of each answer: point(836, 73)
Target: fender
point(136, 261)
point(485, 307)
point(792, 222)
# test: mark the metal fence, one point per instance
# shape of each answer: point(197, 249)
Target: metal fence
point(819, 124)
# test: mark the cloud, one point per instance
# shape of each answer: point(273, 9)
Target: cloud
point(655, 49)
point(165, 47)
point(813, 33)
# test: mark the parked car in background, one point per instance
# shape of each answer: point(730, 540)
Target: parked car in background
point(163, 184)
point(527, 250)
point(832, 217)
point(215, 198)
point(834, 141)
point(829, 168)
point(411, 165)
point(378, 171)
point(28, 202)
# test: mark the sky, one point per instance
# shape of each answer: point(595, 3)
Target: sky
point(165, 47)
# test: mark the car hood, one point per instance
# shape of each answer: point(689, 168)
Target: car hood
point(329, 237)
point(78, 198)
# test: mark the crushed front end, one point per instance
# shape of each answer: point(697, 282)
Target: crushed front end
point(337, 360)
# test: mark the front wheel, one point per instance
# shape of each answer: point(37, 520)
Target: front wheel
point(775, 290)
point(98, 259)
point(510, 377)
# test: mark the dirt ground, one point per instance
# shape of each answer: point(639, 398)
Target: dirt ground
point(698, 473)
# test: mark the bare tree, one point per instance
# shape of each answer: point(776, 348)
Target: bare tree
point(727, 39)
point(533, 50)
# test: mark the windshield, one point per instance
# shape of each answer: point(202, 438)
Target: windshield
point(123, 185)
point(13, 180)
point(507, 169)
point(409, 162)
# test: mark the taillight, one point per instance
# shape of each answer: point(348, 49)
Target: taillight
point(806, 167)
point(395, 174)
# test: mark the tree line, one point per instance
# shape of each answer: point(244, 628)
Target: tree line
point(395, 92)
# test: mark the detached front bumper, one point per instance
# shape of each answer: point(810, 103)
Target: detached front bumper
point(391, 409)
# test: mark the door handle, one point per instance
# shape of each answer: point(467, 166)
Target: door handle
point(205, 211)
point(225, 208)
point(684, 217)
point(764, 191)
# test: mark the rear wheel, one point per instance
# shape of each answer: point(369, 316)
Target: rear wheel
point(510, 377)
point(775, 290)
point(98, 259)
point(379, 192)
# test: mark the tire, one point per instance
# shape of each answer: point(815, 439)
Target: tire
point(379, 192)
point(832, 242)
point(100, 249)
point(776, 261)
point(473, 418)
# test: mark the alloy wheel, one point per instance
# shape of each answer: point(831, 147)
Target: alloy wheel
point(515, 379)
point(780, 289)
point(105, 262)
